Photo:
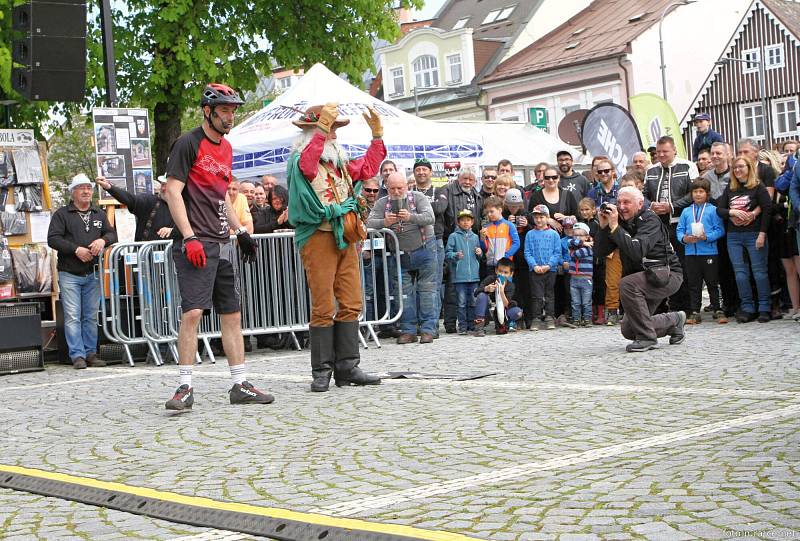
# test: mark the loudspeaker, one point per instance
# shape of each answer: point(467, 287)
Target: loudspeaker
point(21, 346)
point(49, 85)
point(52, 51)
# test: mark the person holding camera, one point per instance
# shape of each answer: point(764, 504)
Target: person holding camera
point(651, 270)
point(410, 215)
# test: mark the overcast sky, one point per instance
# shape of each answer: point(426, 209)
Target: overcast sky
point(429, 9)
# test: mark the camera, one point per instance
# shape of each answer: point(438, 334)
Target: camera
point(605, 208)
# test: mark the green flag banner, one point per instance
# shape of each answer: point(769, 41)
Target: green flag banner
point(655, 118)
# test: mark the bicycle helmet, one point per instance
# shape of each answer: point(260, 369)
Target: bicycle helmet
point(219, 94)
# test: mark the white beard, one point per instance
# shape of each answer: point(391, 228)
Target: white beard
point(332, 152)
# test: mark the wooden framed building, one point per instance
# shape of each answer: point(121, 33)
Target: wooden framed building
point(769, 33)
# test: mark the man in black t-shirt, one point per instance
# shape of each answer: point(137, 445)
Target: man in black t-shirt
point(198, 174)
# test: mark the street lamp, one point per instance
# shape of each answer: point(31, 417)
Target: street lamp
point(762, 90)
point(661, 42)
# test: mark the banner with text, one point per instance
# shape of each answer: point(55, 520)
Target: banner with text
point(655, 118)
point(609, 130)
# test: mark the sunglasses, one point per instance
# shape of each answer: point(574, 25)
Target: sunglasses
point(371, 190)
point(490, 177)
point(603, 171)
point(549, 177)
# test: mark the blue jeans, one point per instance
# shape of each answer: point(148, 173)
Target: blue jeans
point(482, 309)
point(580, 288)
point(419, 288)
point(80, 299)
point(738, 242)
point(466, 305)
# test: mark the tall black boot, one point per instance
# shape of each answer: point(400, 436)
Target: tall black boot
point(322, 357)
point(348, 356)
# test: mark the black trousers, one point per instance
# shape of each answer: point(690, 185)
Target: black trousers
point(727, 280)
point(680, 299)
point(542, 294)
point(698, 269)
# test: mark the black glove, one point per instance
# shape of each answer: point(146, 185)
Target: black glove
point(247, 247)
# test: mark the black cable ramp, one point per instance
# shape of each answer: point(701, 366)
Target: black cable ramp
point(204, 512)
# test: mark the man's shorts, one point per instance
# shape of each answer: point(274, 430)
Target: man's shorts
point(215, 285)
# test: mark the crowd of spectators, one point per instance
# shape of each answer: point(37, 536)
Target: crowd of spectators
point(483, 240)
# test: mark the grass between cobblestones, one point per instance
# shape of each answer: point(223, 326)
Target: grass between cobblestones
point(550, 399)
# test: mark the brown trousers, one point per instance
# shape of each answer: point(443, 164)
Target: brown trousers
point(333, 277)
point(613, 276)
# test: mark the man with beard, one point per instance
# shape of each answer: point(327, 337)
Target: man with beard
point(438, 198)
point(573, 182)
point(198, 175)
point(321, 193)
point(640, 162)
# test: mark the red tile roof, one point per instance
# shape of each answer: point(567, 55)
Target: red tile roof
point(605, 29)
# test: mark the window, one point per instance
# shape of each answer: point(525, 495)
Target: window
point(284, 83)
point(579, 30)
point(567, 109)
point(461, 23)
point(637, 17)
point(498, 15)
point(491, 16)
point(454, 68)
point(773, 55)
point(752, 119)
point(572, 45)
point(506, 13)
point(785, 114)
point(426, 71)
point(751, 58)
point(398, 85)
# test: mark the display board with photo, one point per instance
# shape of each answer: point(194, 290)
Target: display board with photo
point(123, 150)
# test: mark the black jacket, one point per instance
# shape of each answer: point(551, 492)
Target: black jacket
point(644, 236)
point(67, 232)
point(458, 200)
point(142, 206)
point(679, 176)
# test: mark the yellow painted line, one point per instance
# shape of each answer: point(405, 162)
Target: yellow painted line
point(269, 512)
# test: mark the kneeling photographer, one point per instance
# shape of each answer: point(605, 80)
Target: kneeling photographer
point(650, 268)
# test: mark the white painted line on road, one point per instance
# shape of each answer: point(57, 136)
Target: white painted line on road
point(214, 535)
point(522, 471)
point(127, 374)
point(113, 373)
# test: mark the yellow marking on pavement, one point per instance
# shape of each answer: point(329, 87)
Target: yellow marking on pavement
point(269, 512)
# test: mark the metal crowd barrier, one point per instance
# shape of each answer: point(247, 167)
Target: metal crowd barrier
point(144, 297)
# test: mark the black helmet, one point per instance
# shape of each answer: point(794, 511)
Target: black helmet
point(217, 94)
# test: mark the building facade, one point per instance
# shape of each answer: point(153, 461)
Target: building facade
point(732, 92)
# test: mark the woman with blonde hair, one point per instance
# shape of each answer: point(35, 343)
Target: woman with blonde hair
point(503, 183)
point(746, 206)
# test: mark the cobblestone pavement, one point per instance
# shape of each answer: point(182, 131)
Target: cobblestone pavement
point(572, 439)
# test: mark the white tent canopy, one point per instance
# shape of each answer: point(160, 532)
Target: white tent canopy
point(262, 144)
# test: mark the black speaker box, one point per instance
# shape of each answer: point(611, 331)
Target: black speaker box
point(52, 50)
point(49, 85)
point(50, 19)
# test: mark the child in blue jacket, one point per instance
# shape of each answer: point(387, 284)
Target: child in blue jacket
point(463, 254)
point(699, 229)
point(543, 254)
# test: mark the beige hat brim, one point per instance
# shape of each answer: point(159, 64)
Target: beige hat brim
point(337, 124)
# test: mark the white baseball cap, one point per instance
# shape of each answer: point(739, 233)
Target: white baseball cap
point(514, 196)
point(79, 180)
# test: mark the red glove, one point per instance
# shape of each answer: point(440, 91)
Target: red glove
point(193, 249)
